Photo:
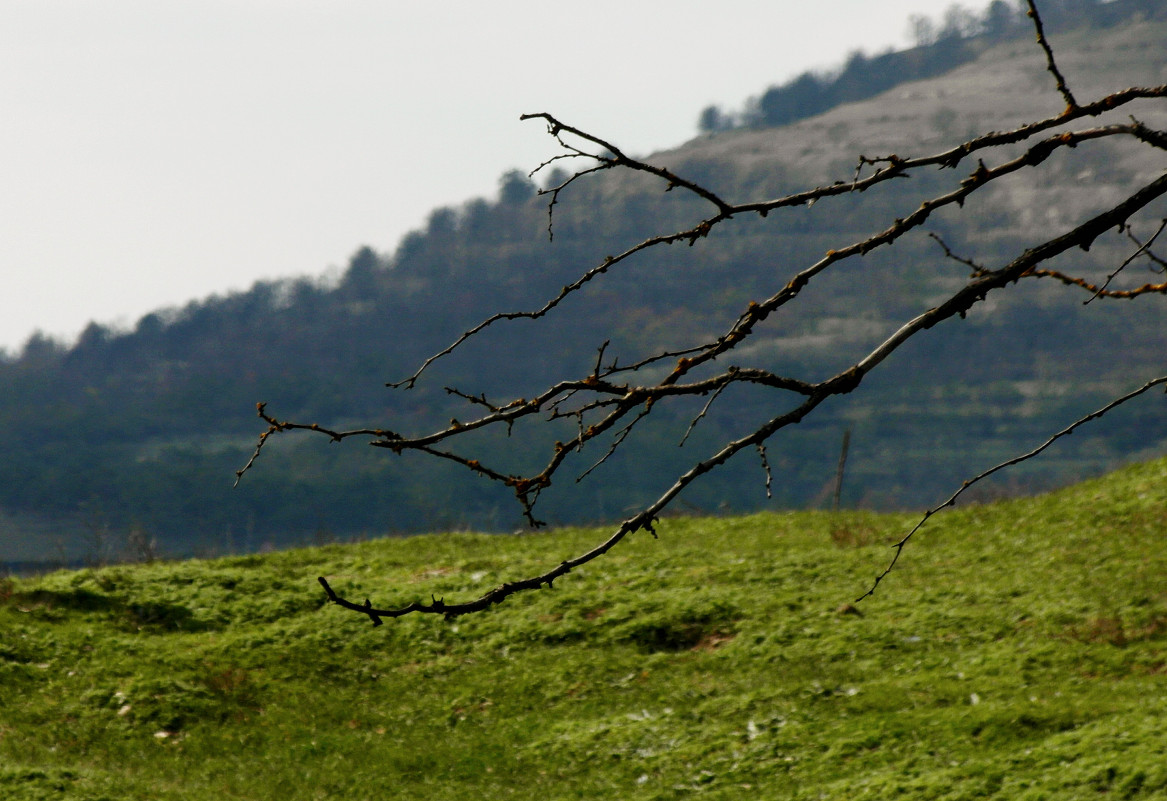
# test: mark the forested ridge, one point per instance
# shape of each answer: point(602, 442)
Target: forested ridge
point(142, 431)
point(956, 37)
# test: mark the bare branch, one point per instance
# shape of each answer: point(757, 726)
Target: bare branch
point(702, 413)
point(844, 382)
point(896, 168)
point(641, 522)
point(977, 269)
point(616, 443)
point(619, 159)
point(1051, 65)
point(275, 426)
point(608, 402)
point(765, 468)
point(1101, 291)
point(1161, 263)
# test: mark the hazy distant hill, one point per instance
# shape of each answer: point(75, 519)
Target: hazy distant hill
point(143, 430)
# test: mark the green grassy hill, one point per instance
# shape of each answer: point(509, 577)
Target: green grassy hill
point(1018, 652)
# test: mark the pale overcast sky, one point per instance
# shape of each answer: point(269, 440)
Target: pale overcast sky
point(155, 151)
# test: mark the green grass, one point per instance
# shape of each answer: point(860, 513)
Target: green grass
point(1019, 651)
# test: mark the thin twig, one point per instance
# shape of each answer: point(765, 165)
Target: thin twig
point(1051, 65)
point(621, 435)
point(1142, 249)
point(1161, 262)
point(899, 546)
point(765, 468)
point(701, 414)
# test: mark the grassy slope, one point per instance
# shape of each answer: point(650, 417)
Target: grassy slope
point(1018, 652)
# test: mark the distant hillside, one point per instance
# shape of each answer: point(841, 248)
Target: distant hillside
point(957, 37)
point(142, 431)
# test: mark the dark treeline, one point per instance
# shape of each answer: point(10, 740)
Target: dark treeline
point(140, 432)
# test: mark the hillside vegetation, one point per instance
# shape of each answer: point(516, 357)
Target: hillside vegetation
point(1017, 653)
point(141, 431)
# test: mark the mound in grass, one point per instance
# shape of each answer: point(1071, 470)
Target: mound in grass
point(1018, 652)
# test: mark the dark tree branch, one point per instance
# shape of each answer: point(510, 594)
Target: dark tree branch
point(619, 159)
point(641, 522)
point(704, 410)
point(1144, 248)
point(765, 468)
point(1051, 65)
point(1159, 262)
point(606, 404)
